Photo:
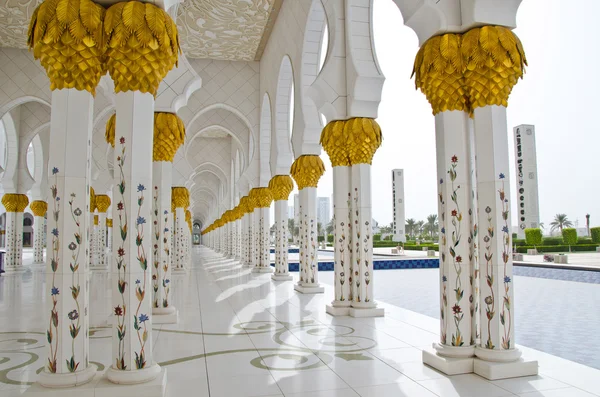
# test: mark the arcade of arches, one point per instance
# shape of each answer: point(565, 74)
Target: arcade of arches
point(148, 141)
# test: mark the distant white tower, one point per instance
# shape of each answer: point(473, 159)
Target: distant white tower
point(296, 209)
point(528, 207)
point(323, 211)
point(398, 194)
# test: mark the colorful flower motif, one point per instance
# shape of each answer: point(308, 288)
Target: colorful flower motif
point(505, 229)
point(118, 311)
point(456, 309)
point(444, 278)
point(77, 212)
point(507, 279)
point(454, 159)
point(122, 140)
point(54, 171)
point(72, 246)
point(458, 259)
point(167, 281)
point(141, 188)
point(121, 252)
point(488, 209)
point(166, 212)
point(166, 229)
point(140, 220)
point(54, 291)
point(73, 315)
point(143, 318)
point(55, 232)
point(501, 176)
point(488, 300)
point(454, 213)
point(441, 181)
point(443, 230)
point(137, 281)
point(120, 206)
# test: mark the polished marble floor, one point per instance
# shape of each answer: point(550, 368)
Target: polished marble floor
point(240, 334)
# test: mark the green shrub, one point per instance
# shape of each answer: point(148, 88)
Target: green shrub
point(388, 238)
point(514, 236)
point(519, 242)
point(377, 237)
point(584, 240)
point(569, 236)
point(595, 231)
point(330, 238)
point(533, 236)
point(320, 238)
point(552, 241)
point(558, 248)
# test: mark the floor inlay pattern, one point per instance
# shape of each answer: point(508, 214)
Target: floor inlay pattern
point(240, 334)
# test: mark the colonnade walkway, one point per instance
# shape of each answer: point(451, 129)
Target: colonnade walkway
point(241, 334)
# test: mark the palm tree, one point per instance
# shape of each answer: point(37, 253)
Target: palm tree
point(432, 224)
point(410, 226)
point(419, 227)
point(560, 221)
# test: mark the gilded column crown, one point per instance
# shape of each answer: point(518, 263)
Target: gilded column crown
point(38, 207)
point(246, 205)
point(281, 186)
point(335, 143)
point(364, 139)
point(169, 134)
point(438, 72)
point(111, 126)
point(15, 202)
point(307, 170)
point(102, 202)
point(92, 200)
point(261, 197)
point(493, 61)
point(474, 69)
point(109, 222)
point(96, 221)
point(67, 37)
point(180, 196)
point(143, 45)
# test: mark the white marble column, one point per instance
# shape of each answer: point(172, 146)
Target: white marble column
point(282, 268)
point(132, 299)
point(342, 241)
point(457, 336)
point(497, 352)
point(179, 263)
point(163, 311)
point(256, 237)
point(109, 239)
point(15, 204)
point(308, 240)
point(69, 224)
point(39, 209)
point(263, 257)
point(101, 238)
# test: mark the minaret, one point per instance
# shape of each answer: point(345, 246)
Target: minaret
point(398, 195)
point(528, 205)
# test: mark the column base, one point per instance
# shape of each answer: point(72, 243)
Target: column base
point(262, 270)
point(165, 315)
point(99, 268)
point(70, 380)
point(14, 269)
point(309, 289)
point(447, 365)
point(179, 270)
point(502, 370)
point(282, 277)
point(338, 308)
point(502, 364)
point(366, 312)
point(135, 377)
point(156, 387)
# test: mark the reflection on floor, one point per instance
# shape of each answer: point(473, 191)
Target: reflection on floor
point(240, 334)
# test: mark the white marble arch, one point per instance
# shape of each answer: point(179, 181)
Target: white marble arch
point(217, 127)
point(265, 147)
point(281, 135)
point(307, 128)
point(7, 107)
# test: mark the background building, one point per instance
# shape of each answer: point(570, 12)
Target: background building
point(323, 211)
point(296, 209)
point(528, 207)
point(291, 214)
point(398, 195)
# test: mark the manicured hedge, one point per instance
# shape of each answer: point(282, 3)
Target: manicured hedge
point(569, 236)
point(533, 236)
point(320, 238)
point(595, 231)
point(558, 248)
point(330, 238)
point(377, 237)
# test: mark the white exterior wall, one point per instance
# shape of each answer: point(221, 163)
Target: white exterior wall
point(526, 181)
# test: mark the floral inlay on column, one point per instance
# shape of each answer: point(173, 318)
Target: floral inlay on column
point(140, 319)
point(155, 256)
point(54, 291)
point(166, 261)
point(443, 247)
point(121, 310)
point(456, 236)
point(75, 248)
point(505, 315)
